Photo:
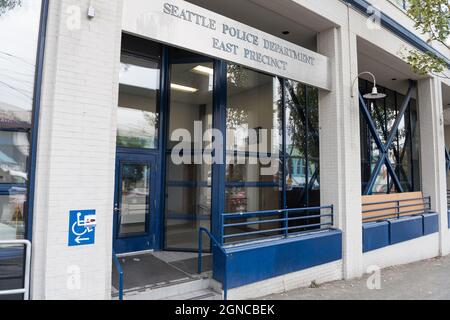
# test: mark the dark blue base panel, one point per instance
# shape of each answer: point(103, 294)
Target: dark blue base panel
point(256, 262)
point(448, 215)
point(381, 234)
point(430, 223)
point(405, 229)
point(375, 235)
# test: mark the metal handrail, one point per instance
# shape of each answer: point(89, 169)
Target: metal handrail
point(272, 212)
point(395, 201)
point(26, 289)
point(200, 257)
point(286, 219)
point(120, 271)
point(425, 204)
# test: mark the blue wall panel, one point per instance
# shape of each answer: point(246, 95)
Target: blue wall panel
point(448, 214)
point(430, 223)
point(405, 229)
point(255, 262)
point(375, 235)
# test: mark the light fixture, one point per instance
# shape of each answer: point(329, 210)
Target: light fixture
point(286, 32)
point(374, 95)
point(91, 12)
point(181, 88)
point(203, 70)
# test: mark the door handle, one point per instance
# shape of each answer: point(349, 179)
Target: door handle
point(116, 208)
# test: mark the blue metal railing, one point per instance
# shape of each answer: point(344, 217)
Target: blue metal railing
point(200, 257)
point(120, 271)
point(283, 219)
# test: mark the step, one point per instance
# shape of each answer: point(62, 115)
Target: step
point(205, 294)
point(169, 290)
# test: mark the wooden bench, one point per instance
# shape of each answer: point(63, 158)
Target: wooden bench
point(387, 206)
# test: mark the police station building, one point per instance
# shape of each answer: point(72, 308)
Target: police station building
point(210, 149)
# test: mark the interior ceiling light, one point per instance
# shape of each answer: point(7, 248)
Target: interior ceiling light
point(286, 32)
point(181, 88)
point(203, 70)
point(374, 95)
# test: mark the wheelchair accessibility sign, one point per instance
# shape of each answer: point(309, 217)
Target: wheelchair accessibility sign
point(82, 227)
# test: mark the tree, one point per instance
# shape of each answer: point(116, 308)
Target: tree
point(6, 5)
point(432, 18)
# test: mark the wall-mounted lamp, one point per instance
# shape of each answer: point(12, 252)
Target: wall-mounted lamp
point(374, 95)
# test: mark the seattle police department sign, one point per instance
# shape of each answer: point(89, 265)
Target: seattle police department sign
point(182, 24)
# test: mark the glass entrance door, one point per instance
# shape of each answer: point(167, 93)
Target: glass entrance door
point(135, 205)
point(188, 182)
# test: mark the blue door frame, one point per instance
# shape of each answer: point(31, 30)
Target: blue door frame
point(148, 239)
point(158, 156)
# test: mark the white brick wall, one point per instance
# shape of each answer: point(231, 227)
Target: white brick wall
point(340, 174)
point(76, 151)
point(320, 274)
point(432, 160)
point(402, 253)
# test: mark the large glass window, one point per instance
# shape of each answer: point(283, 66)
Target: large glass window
point(302, 146)
point(271, 175)
point(188, 182)
point(404, 151)
point(19, 30)
point(138, 112)
point(253, 141)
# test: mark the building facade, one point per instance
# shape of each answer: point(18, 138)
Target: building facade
point(135, 127)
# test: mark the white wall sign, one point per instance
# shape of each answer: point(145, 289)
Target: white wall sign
point(182, 24)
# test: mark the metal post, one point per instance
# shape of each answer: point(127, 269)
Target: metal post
point(200, 245)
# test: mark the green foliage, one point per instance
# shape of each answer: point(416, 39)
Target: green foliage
point(432, 18)
point(424, 63)
point(6, 5)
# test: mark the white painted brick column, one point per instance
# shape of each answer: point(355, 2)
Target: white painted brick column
point(432, 147)
point(340, 165)
point(76, 149)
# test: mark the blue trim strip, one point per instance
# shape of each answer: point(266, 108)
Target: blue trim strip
point(398, 29)
point(163, 133)
point(35, 118)
point(219, 171)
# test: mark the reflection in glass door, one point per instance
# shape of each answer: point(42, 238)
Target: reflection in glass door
point(134, 197)
point(188, 185)
point(134, 204)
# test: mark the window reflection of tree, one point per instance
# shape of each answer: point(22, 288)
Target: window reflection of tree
point(7, 5)
point(384, 115)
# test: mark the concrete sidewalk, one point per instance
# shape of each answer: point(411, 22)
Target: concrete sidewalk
point(425, 280)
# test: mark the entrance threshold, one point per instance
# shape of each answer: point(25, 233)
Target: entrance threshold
point(132, 254)
point(163, 275)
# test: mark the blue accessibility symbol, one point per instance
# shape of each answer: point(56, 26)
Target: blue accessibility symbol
point(82, 225)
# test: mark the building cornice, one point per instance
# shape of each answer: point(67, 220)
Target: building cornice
point(398, 29)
